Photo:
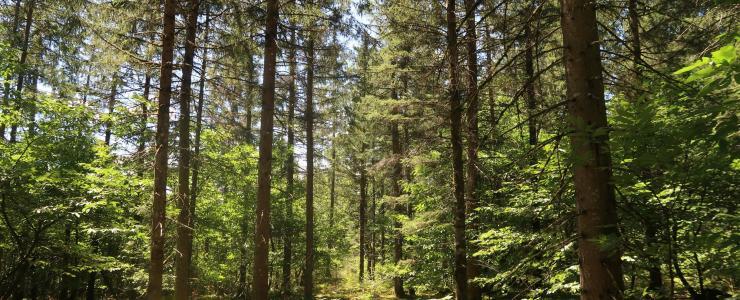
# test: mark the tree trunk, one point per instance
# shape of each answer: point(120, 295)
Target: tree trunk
point(363, 217)
point(529, 84)
point(111, 109)
point(198, 129)
point(13, 43)
point(600, 268)
point(154, 288)
point(396, 192)
point(308, 275)
point(460, 267)
point(290, 169)
point(22, 74)
point(471, 183)
point(144, 114)
point(635, 39)
point(262, 228)
point(371, 255)
point(184, 218)
point(333, 177)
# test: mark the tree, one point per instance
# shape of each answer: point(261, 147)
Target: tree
point(458, 181)
point(262, 227)
point(154, 289)
point(185, 218)
point(598, 235)
point(308, 283)
point(471, 183)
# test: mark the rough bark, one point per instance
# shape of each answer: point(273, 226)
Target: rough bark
point(308, 273)
point(529, 83)
point(156, 264)
point(199, 129)
point(262, 228)
point(396, 192)
point(184, 218)
point(22, 74)
point(13, 42)
point(600, 267)
point(634, 25)
point(290, 169)
point(144, 113)
point(111, 109)
point(460, 260)
point(472, 180)
point(333, 178)
point(363, 219)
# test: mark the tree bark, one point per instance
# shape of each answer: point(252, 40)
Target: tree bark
point(363, 218)
point(460, 260)
point(472, 180)
point(184, 218)
point(156, 267)
point(13, 42)
point(111, 110)
point(600, 267)
point(21, 75)
point(198, 129)
point(529, 84)
point(308, 275)
point(262, 228)
point(290, 169)
point(144, 113)
point(396, 192)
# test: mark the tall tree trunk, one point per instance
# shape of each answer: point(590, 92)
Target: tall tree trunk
point(396, 192)
point(144, 113)
point(21, 75)
point(184, 218)
point(111, 109)
point(371, 254)
point(363, 217)
point(460, 267)
point(634, 25)
point(262, 228)
point(156, 267)
point(13, 42)
point(199, 128)
point(290, 169)
point(333, 176)
point(308, 275)
point(471, 183)
point(530, 40)
point(600, 268)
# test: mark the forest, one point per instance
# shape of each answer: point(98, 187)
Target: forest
point(369, 149)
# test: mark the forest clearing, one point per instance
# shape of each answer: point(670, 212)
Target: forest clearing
point(369, 149)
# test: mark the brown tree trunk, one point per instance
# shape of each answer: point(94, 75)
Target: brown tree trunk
point(308, 275)
point(290, 169)
point(371, 250)
point(363, 218)
point(198, 129)
point(156, 267)
point(144, 113)
point(184, 218)
point(111, 109)
point(635, 39)
point(471, 183)
point(262, 228)
point(13, 43)
point(529, 84)
point(333, 178)
point(396, 192)
point(600, 268)
point(24, 56)
point(460, 261)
